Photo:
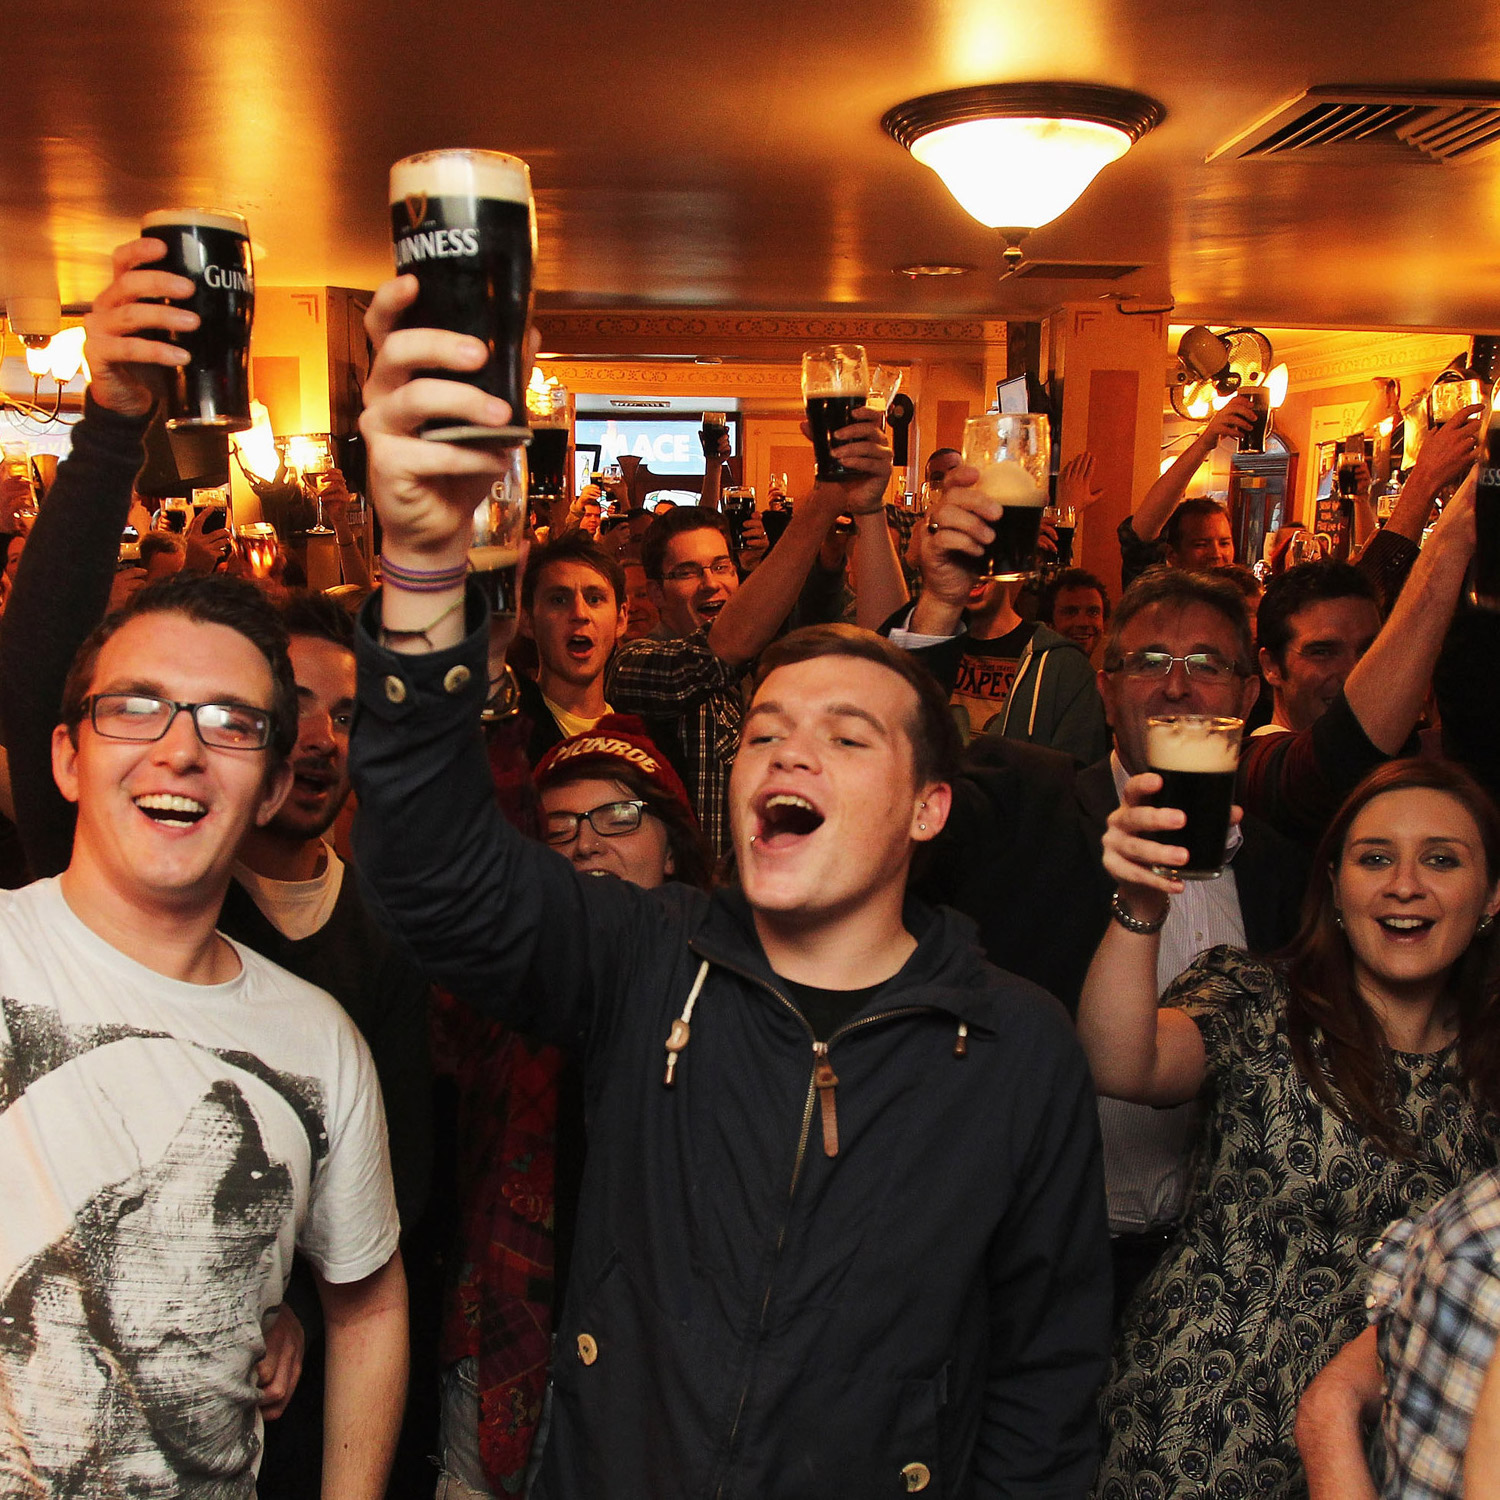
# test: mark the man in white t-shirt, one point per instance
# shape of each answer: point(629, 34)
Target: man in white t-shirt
point(177, 1113)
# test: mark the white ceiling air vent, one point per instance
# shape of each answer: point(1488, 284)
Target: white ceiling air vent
point(1073, 270)
point(1429, 125)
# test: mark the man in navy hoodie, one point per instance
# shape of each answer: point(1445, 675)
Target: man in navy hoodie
point(841, 1227)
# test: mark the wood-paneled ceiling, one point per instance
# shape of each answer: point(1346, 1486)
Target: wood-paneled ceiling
point(730, 156)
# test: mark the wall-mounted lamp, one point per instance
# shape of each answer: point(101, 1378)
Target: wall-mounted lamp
point(256, 449)
point(1016, 155)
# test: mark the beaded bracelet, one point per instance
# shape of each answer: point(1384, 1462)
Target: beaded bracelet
point(421, 580)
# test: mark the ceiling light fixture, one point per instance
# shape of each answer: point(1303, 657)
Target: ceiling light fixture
point(1016, 155)
point(934, 268)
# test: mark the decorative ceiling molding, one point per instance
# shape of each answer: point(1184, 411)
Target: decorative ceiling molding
point(771, 335)
point(677, 379)
point(1396, 355)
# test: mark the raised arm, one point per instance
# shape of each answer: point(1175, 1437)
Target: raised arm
point(1137, 1050)
point(62, 585)
point(749, 621)
point(880, 586)
point(1446, 456)
point(1231, 420)
point(1388, 686)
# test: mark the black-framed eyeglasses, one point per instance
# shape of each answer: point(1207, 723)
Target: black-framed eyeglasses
point(144, 719)
point(609, 820)
point(1201, 666)
point(720, 567)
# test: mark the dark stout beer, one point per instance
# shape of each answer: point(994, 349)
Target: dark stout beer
point(1196, 757)
point(835, 383)
point(548, 457)
point(739, 506)
point(826, 415)
point(1254, 441)
point(1485, 588)
point(464, 226)
point(212, 250)
point(1012, 555)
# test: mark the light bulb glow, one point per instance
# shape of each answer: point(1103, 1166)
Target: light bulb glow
point(39, 361)
point(257, 448)
point(1198, 400)
point(65, 354)
point(1019, 173)
point(1276, 384)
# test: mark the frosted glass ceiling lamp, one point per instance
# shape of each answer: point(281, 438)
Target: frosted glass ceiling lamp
point(1018, 155)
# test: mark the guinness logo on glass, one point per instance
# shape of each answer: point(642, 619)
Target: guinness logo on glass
point(416, 208)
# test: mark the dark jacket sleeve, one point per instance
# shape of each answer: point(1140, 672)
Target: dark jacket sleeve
point(1135, 555)
point(1296, 781)
point(1050, 1302)
point(1059, 685)
point(1385, 560)
point(1468, 699)
point(497, 918)
point(61, 592)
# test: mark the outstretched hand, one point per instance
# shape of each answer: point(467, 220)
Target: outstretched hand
point(124, 364)
point(863, 445)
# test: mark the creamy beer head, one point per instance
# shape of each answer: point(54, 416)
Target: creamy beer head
point(195, 218)
point(1194, 742)
point(1012, 485)
point(463, 223)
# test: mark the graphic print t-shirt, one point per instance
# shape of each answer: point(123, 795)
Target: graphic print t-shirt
point(163, 1147)
point(986, 674)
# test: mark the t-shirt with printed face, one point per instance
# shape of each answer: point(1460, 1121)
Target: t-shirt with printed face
point(986, 674)
point(163, 1147)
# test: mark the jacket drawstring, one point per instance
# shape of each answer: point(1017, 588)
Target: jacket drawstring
point(681, 1029)
point(1036, 693)
point(961, 1041)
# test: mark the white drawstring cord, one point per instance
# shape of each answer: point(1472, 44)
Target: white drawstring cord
point(681, 1029)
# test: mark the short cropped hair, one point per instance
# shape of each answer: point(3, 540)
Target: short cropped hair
point(1243, 577)
point(1178, 588)
point(1308, 583)
point(935, 744)
point(1171, 533)
point(319, 616)
point(572, 546)
point(675, 522)
point(213, 600)
point(157, 544)
point(1070, 578)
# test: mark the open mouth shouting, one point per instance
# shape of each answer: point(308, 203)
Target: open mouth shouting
point(580, 647)
point(708, 609)
point(784, 819)
point(171, 810)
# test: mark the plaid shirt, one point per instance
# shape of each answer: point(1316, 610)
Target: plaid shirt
point(1435, 1298)
point(680, 678)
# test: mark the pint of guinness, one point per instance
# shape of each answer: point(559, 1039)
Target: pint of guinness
point(1254, 441)
point(464, 225)
point(1012, 452)
point(212, 250)
point(835, 383)
point(1196, 756)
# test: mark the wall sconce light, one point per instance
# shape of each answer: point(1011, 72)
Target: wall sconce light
point(1016, 155)
point(307, 452)
point(256, 450)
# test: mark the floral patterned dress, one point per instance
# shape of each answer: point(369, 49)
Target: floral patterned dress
point(1266, 1279)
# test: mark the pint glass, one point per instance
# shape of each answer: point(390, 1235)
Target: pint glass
point(1012, 453)
point(499, 525)
point(212, 250)
point(1196, 756)
point(835, 383)
point(1254, 441)
point(1484, 587)
point(464, 225)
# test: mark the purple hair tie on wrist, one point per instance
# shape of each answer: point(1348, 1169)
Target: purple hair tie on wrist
point(421, 580)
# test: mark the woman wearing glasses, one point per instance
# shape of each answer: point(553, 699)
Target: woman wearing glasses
point(1348, 1082)
point(614, 806)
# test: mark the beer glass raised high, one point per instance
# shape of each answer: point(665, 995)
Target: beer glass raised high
point(211, 249)
point(835, 382)
point(464, 225)
point(1197, 757)
point(1012, 452)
